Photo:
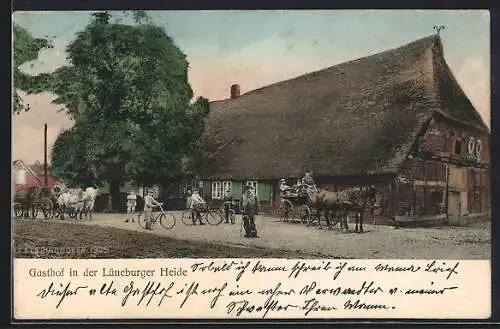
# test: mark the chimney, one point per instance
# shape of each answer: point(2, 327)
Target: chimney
point(235, 91)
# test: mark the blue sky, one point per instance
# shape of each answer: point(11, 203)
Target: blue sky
point(256, 48)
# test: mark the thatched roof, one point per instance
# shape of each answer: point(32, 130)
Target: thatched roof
point(359, 117)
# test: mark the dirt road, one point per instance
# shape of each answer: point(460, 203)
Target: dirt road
point(377, 241)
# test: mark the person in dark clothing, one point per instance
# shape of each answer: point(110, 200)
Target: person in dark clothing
point(308, 180)
point(228, 199)
point(249, 208)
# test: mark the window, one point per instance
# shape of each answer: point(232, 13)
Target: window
point(216, 190)
point(219, 188)
point(253, 184)
point(458, 147)
point(226, 186)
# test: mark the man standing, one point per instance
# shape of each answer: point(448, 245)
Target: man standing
point(228, 199)
point(249, 208)
point(131, 204)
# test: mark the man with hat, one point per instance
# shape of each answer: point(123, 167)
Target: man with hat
point(284, 187)
point(249, 208)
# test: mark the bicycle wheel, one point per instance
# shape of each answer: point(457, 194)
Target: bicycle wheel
point(167, 221)
point(213, 217)
point(141, 220)
point(187, 218)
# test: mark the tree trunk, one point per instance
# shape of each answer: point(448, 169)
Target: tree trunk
point(114, 192)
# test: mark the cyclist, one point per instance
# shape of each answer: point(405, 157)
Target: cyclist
point(197, 203)
point(149, 204)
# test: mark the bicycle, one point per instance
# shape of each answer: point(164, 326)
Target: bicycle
point(187, 217)
point(166, 220)
point(211, 216)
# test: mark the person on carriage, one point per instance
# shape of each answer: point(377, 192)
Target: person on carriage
point(197, 203)
point(228, 200)
point(249, 208)
point(284, 187)
point(307, 180)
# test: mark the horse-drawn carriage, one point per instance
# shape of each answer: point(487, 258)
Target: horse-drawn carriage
point(295, 204)
point(29, 202)
point(311, 205)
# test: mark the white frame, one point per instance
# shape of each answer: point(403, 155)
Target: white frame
point(225, 185)
point(217, 190)
point(254, 184)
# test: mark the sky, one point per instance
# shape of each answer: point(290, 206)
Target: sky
point(257, 48)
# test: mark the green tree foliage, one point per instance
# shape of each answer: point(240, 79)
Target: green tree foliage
point(128, 93)
point(25, 49)
point(71, 155)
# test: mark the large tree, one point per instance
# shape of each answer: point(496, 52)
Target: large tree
point(128, 93)
point(25, 49)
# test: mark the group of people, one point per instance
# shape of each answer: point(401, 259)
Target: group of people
point(248, 205)
point(301, 187)
point(149, 204)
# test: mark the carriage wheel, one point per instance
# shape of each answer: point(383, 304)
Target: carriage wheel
point(286, 211)
point(305, 214)
point(47, 209)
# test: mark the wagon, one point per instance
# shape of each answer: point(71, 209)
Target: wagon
point(295, 206)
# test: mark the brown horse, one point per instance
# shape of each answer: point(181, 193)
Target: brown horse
point(354, 200)
point(27, 198)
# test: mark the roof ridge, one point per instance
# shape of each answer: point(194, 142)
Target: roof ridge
point(422, 41)
point(439, 65)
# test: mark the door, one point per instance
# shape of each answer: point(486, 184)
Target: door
point(454, 208)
